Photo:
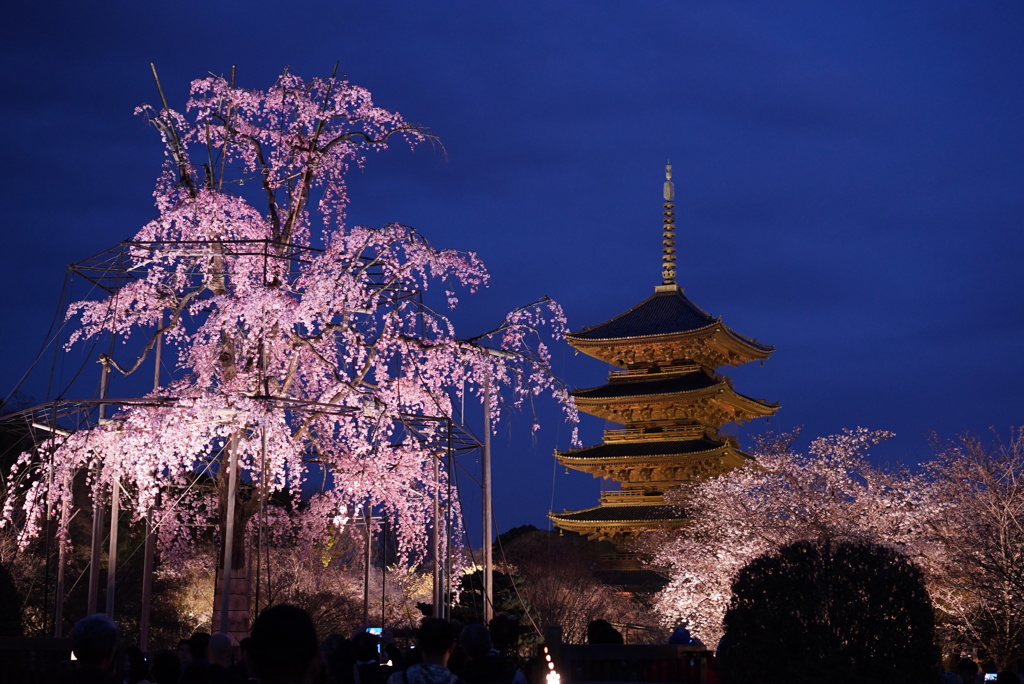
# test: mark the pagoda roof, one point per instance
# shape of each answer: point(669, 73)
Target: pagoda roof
point(654, 465)
point(665, 312)
point(687, 382)
point(610, 522)
point(617, 450)
point(618, 400)
point(620, 514)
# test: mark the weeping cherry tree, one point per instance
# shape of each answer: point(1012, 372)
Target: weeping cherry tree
point(306, 356)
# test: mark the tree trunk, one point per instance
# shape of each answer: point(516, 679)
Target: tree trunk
point(240, 591)
point(239, 601)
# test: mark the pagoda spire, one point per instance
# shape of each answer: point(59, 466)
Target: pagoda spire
point(668, 241)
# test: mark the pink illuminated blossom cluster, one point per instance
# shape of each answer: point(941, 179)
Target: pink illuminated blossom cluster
point(305, 346)
point(959, 518)
point(781, 497)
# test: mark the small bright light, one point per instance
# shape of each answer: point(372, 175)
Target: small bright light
point(552, 677)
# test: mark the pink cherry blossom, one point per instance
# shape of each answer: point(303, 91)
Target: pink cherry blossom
point(307, 347)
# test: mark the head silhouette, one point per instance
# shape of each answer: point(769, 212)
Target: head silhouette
point(283, 644)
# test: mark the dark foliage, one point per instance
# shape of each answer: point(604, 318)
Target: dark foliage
point(33, 576)
point(827, 611)
point(470, 606)
point(10, 606)
point(562, 588)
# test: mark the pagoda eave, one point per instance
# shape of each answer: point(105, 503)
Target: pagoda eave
point(715, 405)
point(677, 388)
point(652, 447)
point(725, 451)
point(713, 345)
point(663, 472)
point(597, 528)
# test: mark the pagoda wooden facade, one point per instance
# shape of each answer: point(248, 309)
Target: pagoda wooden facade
point(669, 400)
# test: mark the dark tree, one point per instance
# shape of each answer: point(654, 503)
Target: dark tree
point(825, 611)
point(10, 606)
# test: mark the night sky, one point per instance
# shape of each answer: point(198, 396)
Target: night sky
point(849, 181)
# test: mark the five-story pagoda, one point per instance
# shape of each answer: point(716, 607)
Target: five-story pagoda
point(668, 399)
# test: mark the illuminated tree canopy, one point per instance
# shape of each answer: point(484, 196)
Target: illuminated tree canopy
point(959, 518)
point(310, 351)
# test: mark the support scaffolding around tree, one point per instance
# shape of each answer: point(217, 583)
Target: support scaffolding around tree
point(65, 417)
point(110, 270)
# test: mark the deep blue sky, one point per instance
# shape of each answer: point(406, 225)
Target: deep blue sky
point(849, 179)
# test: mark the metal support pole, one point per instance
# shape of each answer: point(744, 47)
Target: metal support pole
point(446, 596)
point(94, 557)
point(115, 513)
point(435, 540)
point(149, 548)
point(50, 538)
point(147, 583)
point(487, 523)
point(97, 513)
point(366, 572)
point(112, 549)
point(58, 619)
point(261, 522)
point(229, 534)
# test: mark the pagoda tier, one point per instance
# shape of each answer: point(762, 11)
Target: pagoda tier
point(654, 466)
point(667, 328)
point(621, 515)
point(692, 395)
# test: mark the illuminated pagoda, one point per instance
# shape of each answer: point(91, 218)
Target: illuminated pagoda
point(669, 400)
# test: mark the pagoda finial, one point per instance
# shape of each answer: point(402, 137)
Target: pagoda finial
point(668, 242)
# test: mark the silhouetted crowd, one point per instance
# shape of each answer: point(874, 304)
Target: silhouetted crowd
point(283, 648)
point(969, 672)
